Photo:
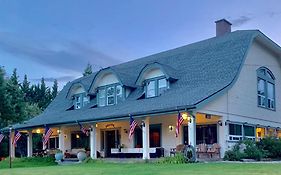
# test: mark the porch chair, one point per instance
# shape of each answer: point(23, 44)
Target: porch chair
point(215, 149)
point(179, 148)
point(201, 149)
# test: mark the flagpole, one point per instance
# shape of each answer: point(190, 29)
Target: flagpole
point(10, 144)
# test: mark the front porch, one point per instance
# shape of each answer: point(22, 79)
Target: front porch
point(154, 136)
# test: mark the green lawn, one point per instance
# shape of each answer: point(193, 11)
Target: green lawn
point(153, 169)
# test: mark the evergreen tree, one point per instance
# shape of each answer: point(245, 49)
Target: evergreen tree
point(15, 99)
point(25, 89)
point(3, 100)
point(88, 70)
point(55, 89)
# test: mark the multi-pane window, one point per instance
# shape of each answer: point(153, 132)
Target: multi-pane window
point(110, 95)
point(156, 87)
point(266, 88)
point(80, 100)
point(249, 132)
point(235, 132)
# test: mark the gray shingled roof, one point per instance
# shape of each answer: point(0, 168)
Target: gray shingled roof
point(203, 69)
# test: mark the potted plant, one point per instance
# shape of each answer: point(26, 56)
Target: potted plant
point(81, 155)
point(59, 155)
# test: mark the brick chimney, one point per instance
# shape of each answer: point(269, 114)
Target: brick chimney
point(222, 27)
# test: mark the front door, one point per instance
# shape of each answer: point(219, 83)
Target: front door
point(185, 135)
point(111, 141)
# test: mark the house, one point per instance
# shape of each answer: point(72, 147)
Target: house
point(227, 88)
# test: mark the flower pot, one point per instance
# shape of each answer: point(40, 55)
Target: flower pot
point(58, 157)
point(81, 156)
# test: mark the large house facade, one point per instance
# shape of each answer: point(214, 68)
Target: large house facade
point(227, 88)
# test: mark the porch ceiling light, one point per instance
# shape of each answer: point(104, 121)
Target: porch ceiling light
point(38, 131)
point(77, 136)
point(185, 116)
point(58, 131)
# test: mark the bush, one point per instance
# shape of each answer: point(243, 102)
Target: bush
point(246, 149)
point(177, 159)
point(271, 147)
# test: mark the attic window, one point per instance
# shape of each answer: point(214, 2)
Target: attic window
point(156, 87)
point(110, 95)
point(80, 100)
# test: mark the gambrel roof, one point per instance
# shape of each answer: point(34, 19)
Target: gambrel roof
point(203, 70)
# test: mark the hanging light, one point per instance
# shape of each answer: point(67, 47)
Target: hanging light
point(38, 131)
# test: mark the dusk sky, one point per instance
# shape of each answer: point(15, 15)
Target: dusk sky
point(56, 39)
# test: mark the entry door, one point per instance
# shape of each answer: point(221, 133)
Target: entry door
point(185, 135)
point(111, 141)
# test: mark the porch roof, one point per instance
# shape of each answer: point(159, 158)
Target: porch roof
point(204, 69)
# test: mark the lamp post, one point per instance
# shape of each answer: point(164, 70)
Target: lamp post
point(10, 144)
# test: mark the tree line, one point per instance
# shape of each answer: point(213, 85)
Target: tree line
point(20, 101)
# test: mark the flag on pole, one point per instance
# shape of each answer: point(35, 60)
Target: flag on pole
point(16, 138)
point(47, 135)
point(83, 129)
point(2, 136)
point(179, 122)
point(133, 125)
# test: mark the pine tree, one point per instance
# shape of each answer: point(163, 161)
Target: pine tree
point(25, 89)
point(3, 100)
point(55, 89)
point(88, 70)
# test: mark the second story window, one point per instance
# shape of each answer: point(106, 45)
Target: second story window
point(80, 100)
point(110, 95)
point(156, 87)
point(266, 88)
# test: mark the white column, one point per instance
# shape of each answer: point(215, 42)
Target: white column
point(145, 139)
point(12, 147)
point(192, 131)
point(61, 140)
point(29, 143)
point(93, 141)
point(223, 135)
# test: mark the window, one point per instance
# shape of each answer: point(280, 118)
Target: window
point(110, 95)
point(80, 100)
point(235, 132)
point(54, 143)
point(79, 140)
point(266, 88)
point(206, 134)
point(249, 132)
point(156, 87)
point(154, 136)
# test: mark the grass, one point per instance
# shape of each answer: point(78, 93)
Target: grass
point(28, 162)
point(150, 169)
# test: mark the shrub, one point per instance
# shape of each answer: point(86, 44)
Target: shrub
point(177, 159)
point(271, 147)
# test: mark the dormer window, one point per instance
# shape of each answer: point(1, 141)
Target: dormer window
point(156, 86)
point(110, 95)
point(80, 100)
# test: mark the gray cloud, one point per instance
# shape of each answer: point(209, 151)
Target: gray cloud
point(273, 14)
point(67, 56)
point(240, 21)
point(60, 79)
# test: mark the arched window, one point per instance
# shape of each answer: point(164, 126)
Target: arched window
point(266, 88)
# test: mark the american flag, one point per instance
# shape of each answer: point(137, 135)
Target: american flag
point(179, 122)
point(2, 136)
point(16, 138)
point(133, 125)
point(47, 135)
point(83, 129)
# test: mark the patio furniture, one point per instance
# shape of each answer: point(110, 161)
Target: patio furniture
point(179, 149)
point(214, 150)
point(201, 149)
point(136, 152)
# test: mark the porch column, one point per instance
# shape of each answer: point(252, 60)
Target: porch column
point(145, 138)
point(61, 140)
point(29, 143)
point(12, 147)
point(223, 135)
point(192, 131)
point(93, 141)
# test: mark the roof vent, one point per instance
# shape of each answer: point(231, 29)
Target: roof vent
point(222, 27)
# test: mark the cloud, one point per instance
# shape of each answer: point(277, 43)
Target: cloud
point(273, 14)
point(63, 56)
point(60, 79)
point(240, 21)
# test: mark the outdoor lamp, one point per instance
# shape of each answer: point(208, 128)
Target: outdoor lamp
point(185, 116)
point(38, 131)
point(171, 128)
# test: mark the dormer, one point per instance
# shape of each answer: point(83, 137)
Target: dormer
point(156, 79)
point(108, 87)
point(78, 95)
